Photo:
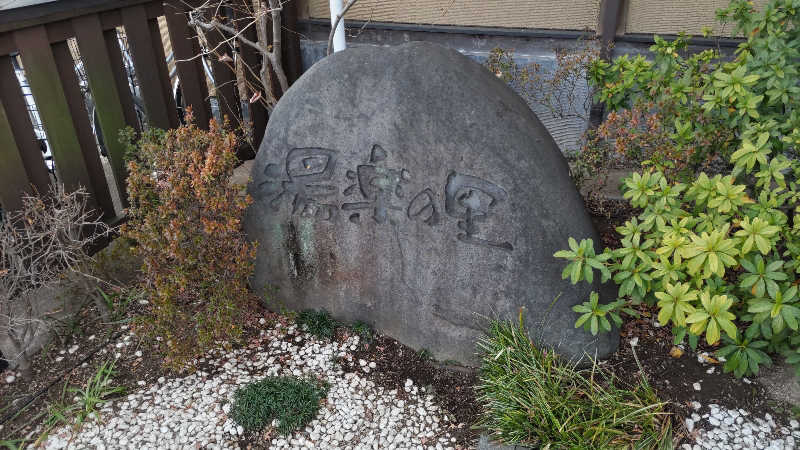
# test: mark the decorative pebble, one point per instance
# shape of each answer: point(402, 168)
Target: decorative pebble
point(193, 412)
point(722, 428)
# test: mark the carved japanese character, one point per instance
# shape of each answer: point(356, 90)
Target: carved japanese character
point(472, 200)
point(423, 208)
point(308, 171)
point(378, 187)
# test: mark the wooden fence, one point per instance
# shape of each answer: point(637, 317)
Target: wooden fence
point(39, 35)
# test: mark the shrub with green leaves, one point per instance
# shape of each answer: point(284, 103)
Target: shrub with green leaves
point(292, 401)
point(719, 255)
point(533, 397)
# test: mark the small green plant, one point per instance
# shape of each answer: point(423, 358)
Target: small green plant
point(292, 401)
point(118, 302)
point(533, 397)
point(12, 444)
point(87, 400)
point(318, 323)
point(96, 392)
point(593, 315)
point(362, 330)
point(744, 354)
point(424, 354)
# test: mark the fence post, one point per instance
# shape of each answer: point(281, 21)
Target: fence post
point(292, 61)
point(108, 102)
point(608, 22)
point(45, 82)
point(151, 67)
point(21, 128)
point(188, 61)
point(13, 179)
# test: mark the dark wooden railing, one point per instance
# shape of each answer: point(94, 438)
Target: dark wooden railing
point(39, 35)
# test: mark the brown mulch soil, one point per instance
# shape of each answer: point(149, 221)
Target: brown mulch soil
point(54, 368)
point(673, 372)
point(453, 386)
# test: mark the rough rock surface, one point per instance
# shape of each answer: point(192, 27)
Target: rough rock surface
point(410, 188)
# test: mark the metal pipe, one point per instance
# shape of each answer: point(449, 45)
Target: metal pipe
point(339, 42)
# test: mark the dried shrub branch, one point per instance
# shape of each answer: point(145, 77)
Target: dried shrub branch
point(564, 90)
point(42, 245)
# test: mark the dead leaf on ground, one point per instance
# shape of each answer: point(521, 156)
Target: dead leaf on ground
point(708, 359)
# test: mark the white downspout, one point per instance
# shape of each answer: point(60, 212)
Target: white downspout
point(339, 43)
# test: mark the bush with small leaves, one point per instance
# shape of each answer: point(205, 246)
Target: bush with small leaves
point(185, 221)
point(44, 255)
point(292, 401)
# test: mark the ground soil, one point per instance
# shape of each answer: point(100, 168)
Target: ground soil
point(24, 403)
point(673, 373)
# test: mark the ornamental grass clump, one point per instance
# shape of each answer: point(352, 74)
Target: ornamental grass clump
point(292, 401)
point(185, 221)
point(533, 397)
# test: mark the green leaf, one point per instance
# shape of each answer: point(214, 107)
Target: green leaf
point(575, 274)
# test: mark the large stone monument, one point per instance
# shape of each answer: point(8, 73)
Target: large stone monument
point(410, 188)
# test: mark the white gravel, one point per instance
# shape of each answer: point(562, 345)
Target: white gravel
point(193, 411)
point(722, 428)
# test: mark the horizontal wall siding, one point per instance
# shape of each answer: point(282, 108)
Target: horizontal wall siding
point(552, 14)
point(675, 16)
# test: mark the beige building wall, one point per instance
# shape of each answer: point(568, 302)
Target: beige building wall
point(675, 16)
point(640, 16)
point(551, 14)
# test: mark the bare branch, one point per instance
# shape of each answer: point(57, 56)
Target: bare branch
point(40, 245)
point(336, 23)
point(216, 25)
point(270, 55)
point(276, 54)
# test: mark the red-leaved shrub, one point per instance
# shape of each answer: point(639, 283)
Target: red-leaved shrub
point(185, 220)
